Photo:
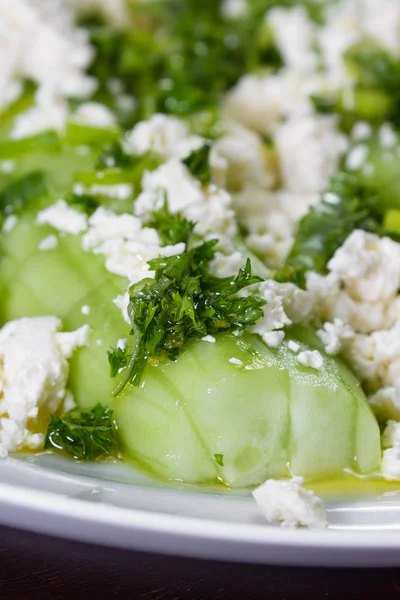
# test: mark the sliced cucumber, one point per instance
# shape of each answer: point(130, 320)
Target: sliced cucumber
point(268, 416)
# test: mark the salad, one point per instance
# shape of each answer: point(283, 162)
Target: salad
point(200, 247)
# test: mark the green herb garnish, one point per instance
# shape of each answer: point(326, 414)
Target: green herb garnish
point(19, 193)
point(183, 302)
point(347, 206)
point(85, 435)
point(219, 459)
point(198, 163)
point(172, 228)
point(118, 360)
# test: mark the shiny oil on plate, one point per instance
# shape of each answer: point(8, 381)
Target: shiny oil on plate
point(116, 505)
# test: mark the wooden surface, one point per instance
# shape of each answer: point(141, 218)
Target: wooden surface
point(33, 567)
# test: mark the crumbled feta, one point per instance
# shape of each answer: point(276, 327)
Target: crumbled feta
point(48, 243)
point(48, 113)
point(293, 346)
point(121, 344)
point(39, 42)
point(94, 114)
point(275, 316)
point(126, 245)
point(209, 208)
point(233, 9)
point(166, 136)
point(368, 265)
point(362, 130)
point(357, 157)
point(235, 361)
point(34, 375)
point(224, 265)
point(295, 37)
point(311, 358)
point(209, 338)
point(63, 217)
point(9, 223)
point(387, 136)
point(260, 103)
point(273, 338)
point(119, 191)
point(122, 302)
point(309, 149)
point(386, 403)
point(390, 465)
point(7, 166)
point(288, 503)
point(239, 158)
point(334, 334)
point(85, 310)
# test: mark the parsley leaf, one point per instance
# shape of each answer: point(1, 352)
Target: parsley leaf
point(85, 435)
point(19, 193)
point(113, 156)
point(118, 360)
point(349, 205)
point(172, 228)
point(219, 459)
point(86, 202)
point(184, 302)
point(198, 163)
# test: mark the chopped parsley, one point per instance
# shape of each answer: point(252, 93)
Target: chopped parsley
point(85, 435)
point(198, 163)
point(17, 194)
point(86, 202)
point(172, 228)
point(347, 206)
point(184, 302)
point(118, 360)
point(219, 459)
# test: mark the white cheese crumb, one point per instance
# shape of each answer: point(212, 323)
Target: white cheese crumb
point(166, 136)
point(362, 130)
point(9, 223)
point(288, 503)
point(273, 338)
point(126, 245)
point(48, 243)
point(122, 302)
point(119, 191)
point(293, 346)
point(390, 465)
point(99, 342)
point(311, 358)
point(85, 310)
point(357, 157)
point(386, 403)
point(387, 136)
point(121, 344)
point(309, 149)
point(233, 9)
point(333, 335)
point(63, 217)
point(209, 338)
point(295, 37)
point(7, 166)
point(34, 375)
point(235, 361)
point(94, 114)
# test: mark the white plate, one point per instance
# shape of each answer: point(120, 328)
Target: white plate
point(117, 506)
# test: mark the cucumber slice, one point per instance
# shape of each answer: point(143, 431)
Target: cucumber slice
point(264, 415)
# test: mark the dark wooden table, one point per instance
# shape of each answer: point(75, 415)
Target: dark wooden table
point(34, 566)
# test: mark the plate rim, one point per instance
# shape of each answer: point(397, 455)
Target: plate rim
point(134, 529)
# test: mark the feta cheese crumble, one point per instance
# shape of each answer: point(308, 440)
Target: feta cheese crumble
point(288, 503)
point(94, 114)
point(63, 217)
point(48, 243)
point(85, 310)
point(235, 361)
point(34, 355)
point(311, 358)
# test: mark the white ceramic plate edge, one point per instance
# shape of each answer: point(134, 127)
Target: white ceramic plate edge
point(53, 514)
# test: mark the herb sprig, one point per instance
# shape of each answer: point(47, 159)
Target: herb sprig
point(184, 302)
point(85, 435)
